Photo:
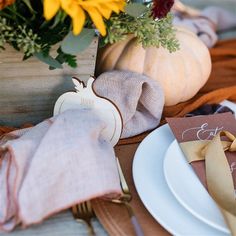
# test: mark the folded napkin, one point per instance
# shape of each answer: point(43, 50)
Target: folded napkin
point(54, 165)
point(139, 99)
point(207, 23)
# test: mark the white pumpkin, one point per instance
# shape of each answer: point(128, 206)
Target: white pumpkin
point(181, 73)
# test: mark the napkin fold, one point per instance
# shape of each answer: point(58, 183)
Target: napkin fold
point(139, 99)
point(206, 23)
point(54, 165)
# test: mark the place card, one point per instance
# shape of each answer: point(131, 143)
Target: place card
point(204, 128)
point(85, 98)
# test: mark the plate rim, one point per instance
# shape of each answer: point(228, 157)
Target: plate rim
point(186, 206)
point(165, 126)
point(202, 227)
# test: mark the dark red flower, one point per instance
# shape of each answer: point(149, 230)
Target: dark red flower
point(161, 8)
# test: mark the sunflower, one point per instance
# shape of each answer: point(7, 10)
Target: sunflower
point(76, 9)
point(5, 3)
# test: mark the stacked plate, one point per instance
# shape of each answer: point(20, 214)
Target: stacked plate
point(171, 191)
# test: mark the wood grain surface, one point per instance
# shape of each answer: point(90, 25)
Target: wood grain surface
point(28, 89)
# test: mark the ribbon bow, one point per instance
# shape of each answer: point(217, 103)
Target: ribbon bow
point(218, 174)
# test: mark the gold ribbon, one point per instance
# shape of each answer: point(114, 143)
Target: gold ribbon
point(218, 175)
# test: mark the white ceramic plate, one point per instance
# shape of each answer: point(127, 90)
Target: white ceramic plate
point(152, 188)
point(229, 104)
point(188, 190)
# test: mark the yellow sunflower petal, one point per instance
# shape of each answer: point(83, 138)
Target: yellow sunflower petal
point(121, 5)
point(97, 19)
point(76, 13)
point(78, 21)
point(113, 6)
point(50, 8)
point(70, 7)
point(116, 6)
point(104, 10)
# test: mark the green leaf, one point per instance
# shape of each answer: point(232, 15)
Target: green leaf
point(59, 18)
point(48, 60)
point(135, 9)
point(65, 58)
point(26, 57)
point(74, 44)
point(139, 1)
point(28, 4)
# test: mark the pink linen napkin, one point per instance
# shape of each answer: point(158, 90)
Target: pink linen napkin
point(139, 98)
point(206, 24)
point(54, 165)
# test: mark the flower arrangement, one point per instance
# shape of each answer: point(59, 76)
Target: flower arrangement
point(35, 26)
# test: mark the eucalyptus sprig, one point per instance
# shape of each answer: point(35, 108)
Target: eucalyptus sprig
point(21, 38)
point(149, 32)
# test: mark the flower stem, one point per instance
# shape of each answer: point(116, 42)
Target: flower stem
point(17, 14)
